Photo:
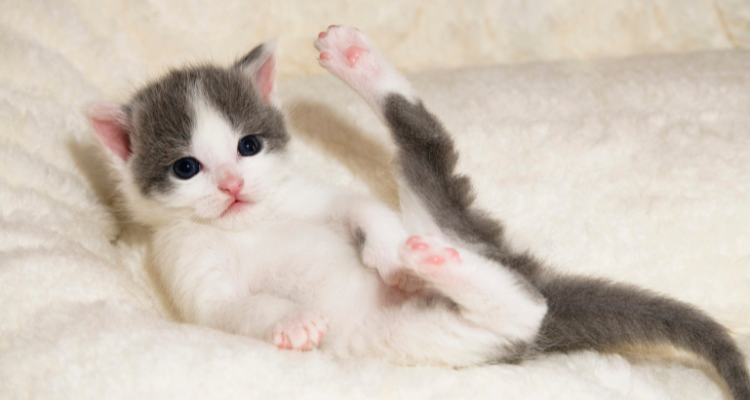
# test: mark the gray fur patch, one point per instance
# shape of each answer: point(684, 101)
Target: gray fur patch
point(427, 158)
point(360, 237)
point(513, 353)
point(232, 94)
point(162, 119)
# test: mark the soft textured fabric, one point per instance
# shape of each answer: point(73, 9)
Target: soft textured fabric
point(633, 169)
point(117, 43)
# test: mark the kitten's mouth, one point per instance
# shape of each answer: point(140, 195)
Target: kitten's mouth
point(235, 207)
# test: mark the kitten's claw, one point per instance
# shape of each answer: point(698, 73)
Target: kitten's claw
point(302, 332)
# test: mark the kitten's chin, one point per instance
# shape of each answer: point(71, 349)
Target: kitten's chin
point(237, 216)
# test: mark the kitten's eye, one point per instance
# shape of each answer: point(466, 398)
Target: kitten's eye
point(249, 146)
point(186, 168)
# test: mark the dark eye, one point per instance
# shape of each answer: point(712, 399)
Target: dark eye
point(249, 146)
point(186, 168)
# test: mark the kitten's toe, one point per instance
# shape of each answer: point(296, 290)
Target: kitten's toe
point(301, 332)
point(429, 259)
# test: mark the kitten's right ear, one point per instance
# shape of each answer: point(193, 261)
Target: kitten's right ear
point(260, 66)
point(112, 127)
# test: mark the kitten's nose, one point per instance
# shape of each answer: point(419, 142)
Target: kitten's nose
point(232, 185)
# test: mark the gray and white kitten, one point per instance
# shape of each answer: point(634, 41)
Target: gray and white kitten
point(244, 243)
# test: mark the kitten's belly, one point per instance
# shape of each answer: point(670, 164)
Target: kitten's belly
point(313, 265)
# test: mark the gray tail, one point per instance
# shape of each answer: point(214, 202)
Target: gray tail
point(583, 313)
point(596, 314)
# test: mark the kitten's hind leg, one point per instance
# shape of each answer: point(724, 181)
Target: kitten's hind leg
point(470, 313)
point(491, 297)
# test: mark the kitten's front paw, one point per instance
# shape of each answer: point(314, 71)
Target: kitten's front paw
point(344, 47)
point(348, 55)
point(301, 332)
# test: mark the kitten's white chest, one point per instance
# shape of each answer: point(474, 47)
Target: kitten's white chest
point(304, 262)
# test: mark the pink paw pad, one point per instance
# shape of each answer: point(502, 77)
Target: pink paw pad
point(326, 56)
point(353, 54)
point(416, 243)
point(429, 259)
point(413, 239)
point(435, 256)
point(440, 260)
point(436, 260)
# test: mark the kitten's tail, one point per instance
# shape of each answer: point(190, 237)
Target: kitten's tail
point(583, 313)
point(595, 314)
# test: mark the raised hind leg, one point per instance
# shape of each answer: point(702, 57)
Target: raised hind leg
point(491, 297)
point(470, 312)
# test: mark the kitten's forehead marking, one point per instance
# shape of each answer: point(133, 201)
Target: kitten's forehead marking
point(214, 139)
point(161, 119)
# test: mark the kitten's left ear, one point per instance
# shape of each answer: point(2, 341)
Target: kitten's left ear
point(260, 66)
point(110, 123)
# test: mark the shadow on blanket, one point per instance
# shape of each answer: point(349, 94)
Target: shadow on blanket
point(368, 159)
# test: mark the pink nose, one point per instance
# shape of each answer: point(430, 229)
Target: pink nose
point(232, 185)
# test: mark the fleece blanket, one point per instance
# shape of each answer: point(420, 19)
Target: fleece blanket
point(117, 42)
point(634, 169)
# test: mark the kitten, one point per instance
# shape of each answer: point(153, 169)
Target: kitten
point(244, 243)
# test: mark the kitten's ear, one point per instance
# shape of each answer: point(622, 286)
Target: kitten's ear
point(260, 66)
point(112, 127)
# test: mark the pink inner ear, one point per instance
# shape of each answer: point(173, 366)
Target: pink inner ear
point(265, 78)
point(108, 121)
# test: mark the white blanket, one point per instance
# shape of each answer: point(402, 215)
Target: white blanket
point(636, 169)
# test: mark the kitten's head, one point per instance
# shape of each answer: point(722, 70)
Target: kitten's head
point(202, 143)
